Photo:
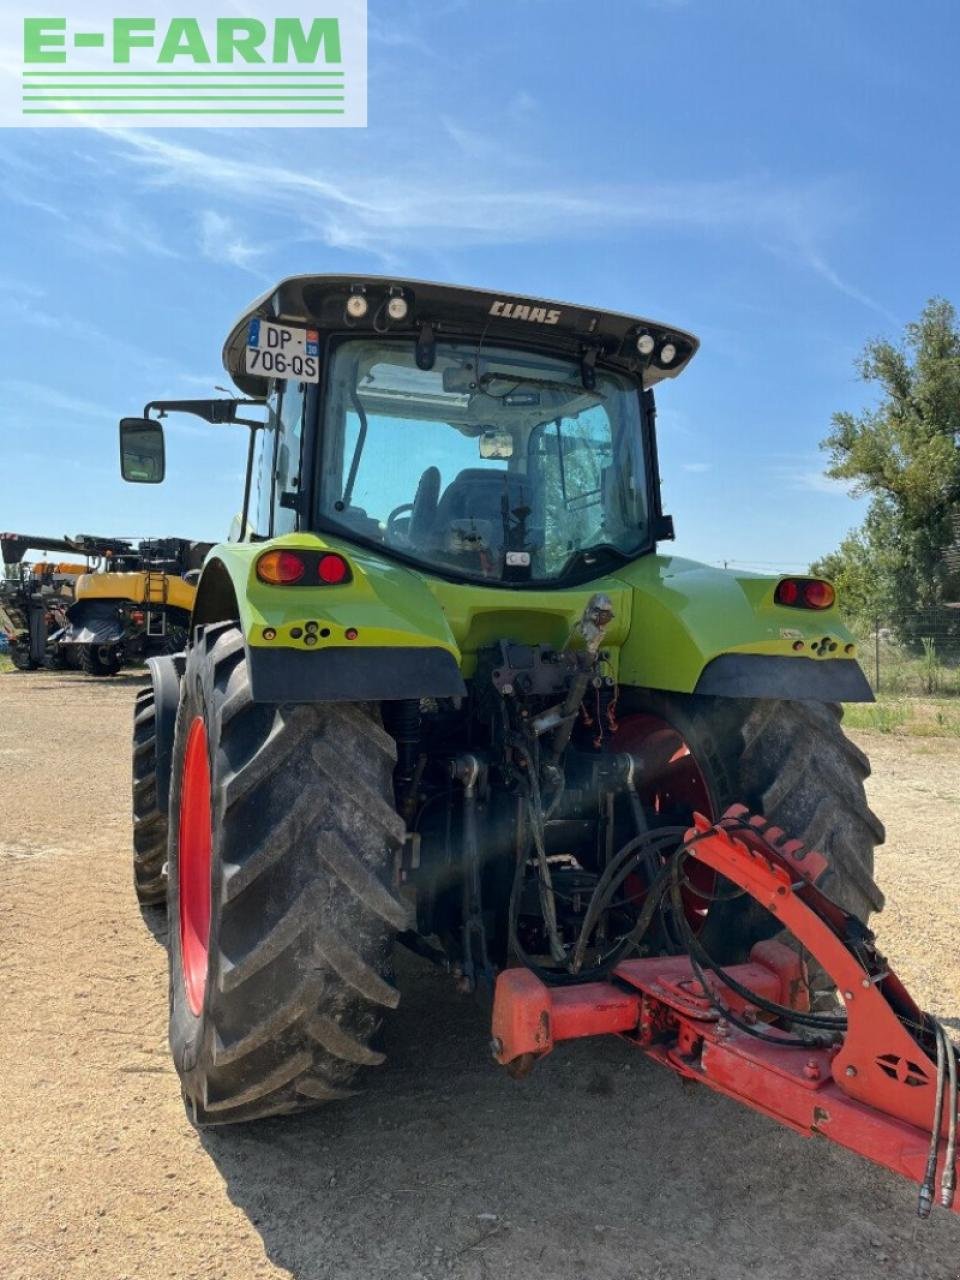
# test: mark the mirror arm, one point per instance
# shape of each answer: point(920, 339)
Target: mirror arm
point(219, 412)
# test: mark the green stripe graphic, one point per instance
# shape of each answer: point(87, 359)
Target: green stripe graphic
point(183, 73)
point(185, 111)
point(182, 97)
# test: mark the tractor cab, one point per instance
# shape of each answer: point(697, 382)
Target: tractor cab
point(484, 439)
point(502, 467)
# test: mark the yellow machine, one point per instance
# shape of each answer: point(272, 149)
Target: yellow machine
point(143, 589)
point(137, 604)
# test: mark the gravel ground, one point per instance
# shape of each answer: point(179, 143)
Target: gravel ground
point(599, 1165)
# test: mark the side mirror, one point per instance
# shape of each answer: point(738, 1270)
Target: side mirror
point(142, 454)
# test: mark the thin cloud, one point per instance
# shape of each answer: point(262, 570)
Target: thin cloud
point(16, 194)
point(23, 303)
point(697, 468)
point(813, 258)
point(817, 482)
point(387, 212)
point(122, 231)
point(397, 35)
point(222, 241)
point(405, 26)
point(523, 105)
point(16, 390)
point(805, 475)
point(355, 201)
point(472, 144)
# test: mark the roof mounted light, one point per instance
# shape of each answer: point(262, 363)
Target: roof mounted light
point(357, 306)
point(668, 353)
point(645, 344)
point(398, 307)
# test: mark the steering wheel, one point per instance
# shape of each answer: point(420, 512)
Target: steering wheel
point(395, 515)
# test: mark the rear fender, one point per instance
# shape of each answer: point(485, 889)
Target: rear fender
point(165, 676)
point(380, 636)
point(699, 629)
point(93, 622)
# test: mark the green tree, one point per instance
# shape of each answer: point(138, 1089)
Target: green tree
point(905, 454)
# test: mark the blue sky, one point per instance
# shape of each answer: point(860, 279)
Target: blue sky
point(781, 178)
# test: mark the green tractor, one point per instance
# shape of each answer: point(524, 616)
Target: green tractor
point(446, 681)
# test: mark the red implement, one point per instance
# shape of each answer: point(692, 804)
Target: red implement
point(875, 1092)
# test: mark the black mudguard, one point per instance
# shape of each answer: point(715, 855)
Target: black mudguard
point(758, 675)
point(165, 675)
point(93, 622)
point(353, 675)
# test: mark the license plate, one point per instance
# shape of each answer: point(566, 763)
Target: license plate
point(283, 351)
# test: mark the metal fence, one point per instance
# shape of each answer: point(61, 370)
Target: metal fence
point(914, 654)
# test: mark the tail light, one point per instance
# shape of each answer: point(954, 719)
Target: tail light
point(137, 615)
point(333, 569)
point(805, 593)
point(305, 568)
point(280, 568)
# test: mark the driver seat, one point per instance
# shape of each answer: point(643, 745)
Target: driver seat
point(477, 494)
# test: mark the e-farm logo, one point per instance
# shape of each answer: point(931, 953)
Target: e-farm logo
point(273, 63)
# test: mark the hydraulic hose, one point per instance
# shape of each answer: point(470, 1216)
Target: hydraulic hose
point(925, 1198)
point(948, 1181)
point(693, 946)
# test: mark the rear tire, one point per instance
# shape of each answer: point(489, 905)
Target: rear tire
point(303, 840)
point(20, 657)
point(791, 762)
point(175, 641)
point(149, 821)
point(99, 660)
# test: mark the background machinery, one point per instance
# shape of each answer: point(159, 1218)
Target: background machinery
point(449, 692)
point(137, 602)
point(34, 597)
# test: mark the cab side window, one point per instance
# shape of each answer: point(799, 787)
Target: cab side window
point(264, 451)
point(289, 440)
point(276, 466)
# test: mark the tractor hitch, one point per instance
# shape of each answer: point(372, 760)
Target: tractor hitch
point(882, 1084)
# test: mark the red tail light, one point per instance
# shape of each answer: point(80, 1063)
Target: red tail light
point(819, 595)
point(136, 615)
point(805, 593)
point(280, 568)
point(333, 569)
point(288, 568)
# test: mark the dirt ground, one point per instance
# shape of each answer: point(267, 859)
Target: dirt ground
point(601, 1165)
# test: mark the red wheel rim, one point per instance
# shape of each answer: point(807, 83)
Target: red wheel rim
point(675, 787)
point(195, 843)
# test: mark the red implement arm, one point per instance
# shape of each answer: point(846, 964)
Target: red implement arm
point(875, 1092)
